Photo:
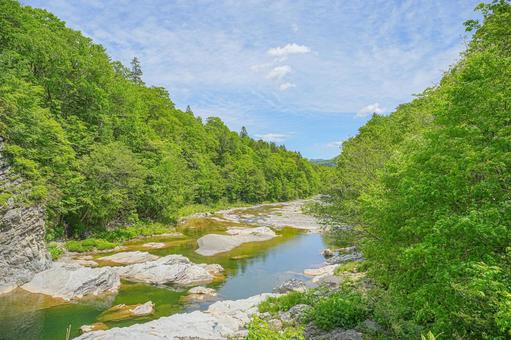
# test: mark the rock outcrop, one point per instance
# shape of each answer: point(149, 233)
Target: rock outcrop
point(129, 257)
point(222, 320)
point(213, 244)
point(171, 269)
point(72, 281)
point(22, 247)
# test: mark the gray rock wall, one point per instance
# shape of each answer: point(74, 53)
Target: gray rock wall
point(22, 247)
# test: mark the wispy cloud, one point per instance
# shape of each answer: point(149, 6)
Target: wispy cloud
point(286, 86)
point(279, 72)
point(284, 51)
point(343, 55)
point(370, 109)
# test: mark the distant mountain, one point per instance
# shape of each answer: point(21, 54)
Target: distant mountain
point(324, 162)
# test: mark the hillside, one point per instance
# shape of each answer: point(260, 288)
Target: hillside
point(427, 189)
point(101, 149)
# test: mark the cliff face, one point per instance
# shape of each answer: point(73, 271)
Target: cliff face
point(22, 247)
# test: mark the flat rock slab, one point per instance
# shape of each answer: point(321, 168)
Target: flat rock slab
point(130, 257)
point(71, 281)
point(171, 269)
point(154, 245)
point(222, 320)
point(213, 244)
point(121, 312)
point(287, 214)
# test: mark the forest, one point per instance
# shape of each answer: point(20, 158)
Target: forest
point(102, 149)
point(427, 190)
point(423, 192)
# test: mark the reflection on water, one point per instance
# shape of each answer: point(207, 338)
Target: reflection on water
point(263, 265)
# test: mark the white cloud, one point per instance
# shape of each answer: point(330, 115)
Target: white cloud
point(336, 144)
point(370, 109)
point(284, 51)
point(273, 137)
point(279, 72)
point(286, 86)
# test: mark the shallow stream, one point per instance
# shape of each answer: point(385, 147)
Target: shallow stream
point(250, 269)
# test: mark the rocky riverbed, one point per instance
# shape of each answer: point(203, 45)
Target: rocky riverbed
point(212, 270)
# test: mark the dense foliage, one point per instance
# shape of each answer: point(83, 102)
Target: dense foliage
point(429, 187)
point(103, 149)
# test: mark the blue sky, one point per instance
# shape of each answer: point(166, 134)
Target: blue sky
point(306, 74)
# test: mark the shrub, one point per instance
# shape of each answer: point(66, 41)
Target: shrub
point(283, 303)
point(54, 250)
point(343, 309)
point(260, 330)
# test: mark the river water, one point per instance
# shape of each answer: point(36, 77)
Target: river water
point(250, 269)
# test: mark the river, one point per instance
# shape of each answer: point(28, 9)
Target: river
point(250, 269)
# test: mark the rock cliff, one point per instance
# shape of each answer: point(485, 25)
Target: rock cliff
point(22, 247)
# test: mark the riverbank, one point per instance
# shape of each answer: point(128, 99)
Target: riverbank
point(175, 267)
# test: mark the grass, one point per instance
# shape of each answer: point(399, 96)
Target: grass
point(89, 244)
point(354, 267)
point(54, 250)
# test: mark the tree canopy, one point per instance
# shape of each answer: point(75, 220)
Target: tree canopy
point(428, 189)
point(102, 149)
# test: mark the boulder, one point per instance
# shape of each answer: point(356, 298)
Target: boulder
point(213, 244)
point(200, 293)
point(327, 253)
point(353, 257)
point(292, 285)
point(171, 269)
point(72, 281)
point(122, 311)
point(212, 268)
point(202, 290)
point(129, 257)
point(145, 309)
point(94, 327)
point(222, 320)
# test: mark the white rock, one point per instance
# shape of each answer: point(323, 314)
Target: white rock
point(87, 263)
point(282, 215)
point(154, 245)
point(71, 281)
point(130, 257)
point(222, 320)
point(199, 290)
point(213, 244)
point(174, 269)
point(212, 268)
point(7, 288)
point(321, 271)
point(145, 309)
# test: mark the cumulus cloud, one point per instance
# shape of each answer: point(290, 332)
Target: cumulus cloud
point(273, 137)
point(278, 72)
point(286, 86)
point(284, 51)
point(370, 109)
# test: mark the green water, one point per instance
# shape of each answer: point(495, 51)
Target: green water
point(264, 265)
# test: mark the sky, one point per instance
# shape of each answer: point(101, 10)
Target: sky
point(306, 74)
